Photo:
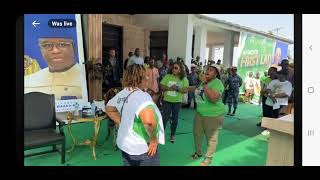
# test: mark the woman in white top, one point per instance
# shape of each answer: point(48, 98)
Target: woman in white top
point(140, 122)
point(278, 92)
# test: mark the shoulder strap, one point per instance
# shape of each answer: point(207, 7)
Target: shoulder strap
point(125, 102)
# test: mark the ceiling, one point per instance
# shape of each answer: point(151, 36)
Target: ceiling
point(160, 22)
point(152, 21)
point(217, 38)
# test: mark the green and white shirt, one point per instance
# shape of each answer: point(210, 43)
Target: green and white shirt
point(206, 107)
point(170, 80)
point(132, 137)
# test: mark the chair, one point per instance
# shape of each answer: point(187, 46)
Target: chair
point(100, 104)
point(40, 124)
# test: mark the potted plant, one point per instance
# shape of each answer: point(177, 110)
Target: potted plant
point(95, 71)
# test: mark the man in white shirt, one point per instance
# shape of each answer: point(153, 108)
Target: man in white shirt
point(257, 84)
point(136, 59)
point(278, 93)
point(63, 76)
point(249, 87)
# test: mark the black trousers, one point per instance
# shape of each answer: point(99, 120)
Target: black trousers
point(272, 113)
point(141, 160)
point(264, 106)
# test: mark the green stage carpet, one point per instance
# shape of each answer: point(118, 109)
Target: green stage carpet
point(240, 144)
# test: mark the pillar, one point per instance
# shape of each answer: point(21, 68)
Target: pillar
point(95, 51)
point(228, 48)
point(180, 37)
point(211, 52)
point(146, 42)
point(200, 43)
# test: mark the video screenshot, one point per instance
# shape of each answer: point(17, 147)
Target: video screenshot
point(170, 90)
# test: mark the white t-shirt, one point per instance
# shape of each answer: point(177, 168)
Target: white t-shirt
point(135, 60)
point(132, 137)
point(279, 87)
point(249, 82)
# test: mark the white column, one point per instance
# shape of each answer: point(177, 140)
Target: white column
point(211, 52)
point(180, 37)
point(200, 42)
point(146, 43)
point(228, 49)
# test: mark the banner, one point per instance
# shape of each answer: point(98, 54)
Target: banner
point(255, 55)
point(53, 56)
point(280, 53)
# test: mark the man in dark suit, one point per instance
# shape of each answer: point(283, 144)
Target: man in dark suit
point(113, 74)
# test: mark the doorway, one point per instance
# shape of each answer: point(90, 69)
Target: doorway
point(158, 43)
point(112, 38)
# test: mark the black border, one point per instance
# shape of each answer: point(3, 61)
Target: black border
point(298, 90)
point(19, 84)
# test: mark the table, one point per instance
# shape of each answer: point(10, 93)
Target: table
point(281, 141)
point(92, 143)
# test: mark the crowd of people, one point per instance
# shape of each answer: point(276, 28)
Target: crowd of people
point(277, 91)
point(153, 92)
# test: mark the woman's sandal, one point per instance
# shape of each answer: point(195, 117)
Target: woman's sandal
point(195, 156)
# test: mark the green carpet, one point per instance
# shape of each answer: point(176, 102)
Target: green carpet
point(240, 144)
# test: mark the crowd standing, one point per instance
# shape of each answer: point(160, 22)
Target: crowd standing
point(154, 91)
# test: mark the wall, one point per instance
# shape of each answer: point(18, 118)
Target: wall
point(154, 22)
point(217, 38)
point(133, 36)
